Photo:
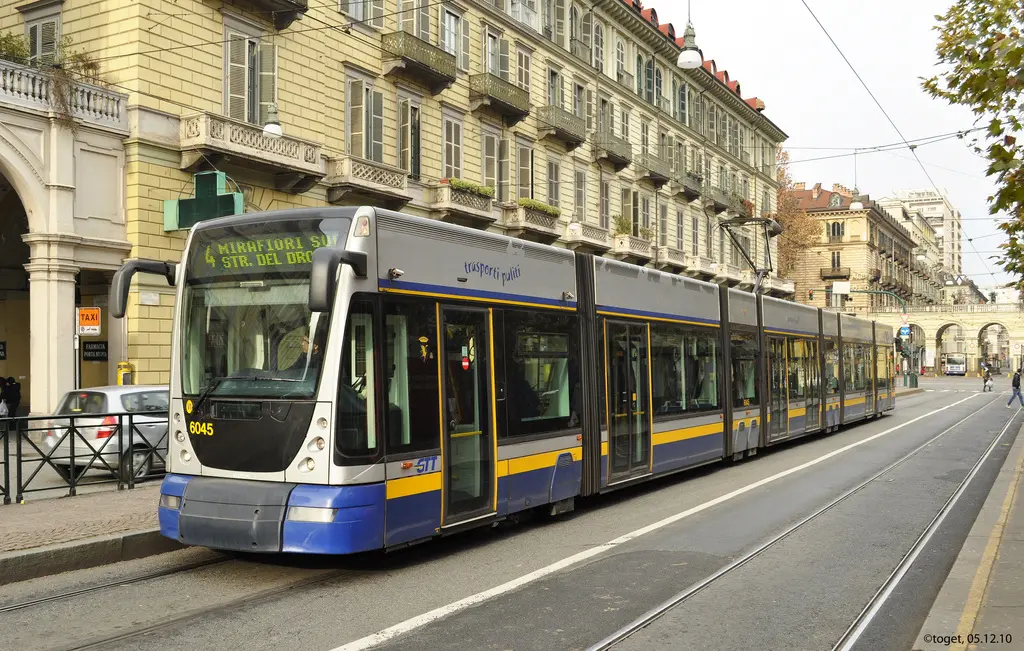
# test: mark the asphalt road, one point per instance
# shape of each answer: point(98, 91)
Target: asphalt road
point(568, 583)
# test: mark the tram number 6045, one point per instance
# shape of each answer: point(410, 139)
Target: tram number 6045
point(202, 429)
point(426, 464)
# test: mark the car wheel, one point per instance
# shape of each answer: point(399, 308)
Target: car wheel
point(141, 462)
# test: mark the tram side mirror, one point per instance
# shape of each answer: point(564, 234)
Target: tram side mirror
point(123, 280)
point(323, 280)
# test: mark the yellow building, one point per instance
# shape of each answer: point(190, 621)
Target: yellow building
point(562, 122)
point(863, 243)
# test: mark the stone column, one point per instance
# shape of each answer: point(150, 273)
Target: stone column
point(52, 317)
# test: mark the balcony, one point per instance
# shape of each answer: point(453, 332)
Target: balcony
point(405, 55)
point(507, 100)
point(28, 88)
point(716, 199)
point(285, 12)
point(654, 169)
point(835, 273)
point(701, 267)
point(688, 184)
point(612, 148)
point(728, 273)
point(559, 124)
point(531, 224)
point(669, 259)
point(875, 274)
point(780, 287)
point(748, 279)
point(352, 180)
point(740, 205)
point(462, 207)
point(587, 238)
point(580, 50)
point(209, 140)
point(633, 249)
point(626, 80)
point(835, 239)
point(665, 104)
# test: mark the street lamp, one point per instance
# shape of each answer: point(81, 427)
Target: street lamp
point(272, 129)
point(690, 57)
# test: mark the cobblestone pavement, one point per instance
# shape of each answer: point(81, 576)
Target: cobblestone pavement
point(54, 521)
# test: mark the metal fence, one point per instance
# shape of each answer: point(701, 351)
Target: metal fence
point(65, 453)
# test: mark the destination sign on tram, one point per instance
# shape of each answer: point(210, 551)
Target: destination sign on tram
point(229, 252)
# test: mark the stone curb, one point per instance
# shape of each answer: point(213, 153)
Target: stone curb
point(954, 596)
point(25, 564)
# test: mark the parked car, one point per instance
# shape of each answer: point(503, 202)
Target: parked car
point(101, 418)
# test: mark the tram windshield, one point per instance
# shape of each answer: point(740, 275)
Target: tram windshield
point(248, 330)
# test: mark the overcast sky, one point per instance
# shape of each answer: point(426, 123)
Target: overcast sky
point(778, 53)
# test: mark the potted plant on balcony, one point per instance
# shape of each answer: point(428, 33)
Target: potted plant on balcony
point(470, 187)
point(539, 206)
point(68, 68)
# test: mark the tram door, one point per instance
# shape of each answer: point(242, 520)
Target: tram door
point(813, 371)
point(469, 443)
point(872, 381)
point(629, 428)
point(779, 405)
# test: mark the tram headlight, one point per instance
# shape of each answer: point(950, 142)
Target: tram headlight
point(307, 464)
point(170, 501)
point(186, 456)
point(311, 514)
point(317, 444)
point(321, 423)
point(179, 436)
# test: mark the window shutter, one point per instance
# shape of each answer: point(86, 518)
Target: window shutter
point(441, 27)
point(458, 148)
point(669, 155)
point(503, 57)
point(355, 118)
point(636, 212)
point(33, 43)
point(236, 72)
point(624, 206)
point(525, 164)
point(268, 79)
point(590, 110)
point(407, 17)
point(560, 22)
point(48, 42)
point(377, 13)
point(377, 127)
point(490, 161)
point(403, 134)
point(587, 28)
point(581, 196)
point(423, 19)
point(503, 169)
point(464, 54)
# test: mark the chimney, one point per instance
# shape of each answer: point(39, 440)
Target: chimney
point(816, 190)
point(800, 186)
point(842, 189)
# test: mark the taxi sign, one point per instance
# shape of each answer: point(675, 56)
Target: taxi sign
point(89, 321)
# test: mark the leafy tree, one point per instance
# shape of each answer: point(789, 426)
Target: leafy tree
point(980, 51)
point(800, 231)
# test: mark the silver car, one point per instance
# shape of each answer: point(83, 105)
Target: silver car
point(96, 413)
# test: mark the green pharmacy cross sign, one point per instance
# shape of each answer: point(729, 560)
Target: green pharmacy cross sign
point(211, 200)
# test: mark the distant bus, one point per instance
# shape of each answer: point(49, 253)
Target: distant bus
point(954, 364)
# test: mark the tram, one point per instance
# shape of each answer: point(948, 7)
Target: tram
point(349, 378)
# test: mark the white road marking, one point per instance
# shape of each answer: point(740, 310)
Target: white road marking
point(930, 390)
point(441, 612)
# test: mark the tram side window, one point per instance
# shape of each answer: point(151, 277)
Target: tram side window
point(797, 369)
point(357, 435)
point(811, 364)
point(881, 372)
point(744, 370)
point(542, 378)
point(410, 340)
point(684, 370)
point(831, 378)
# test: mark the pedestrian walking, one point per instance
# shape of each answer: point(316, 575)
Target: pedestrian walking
point(988, 382)
point(12, 396)
point(1016, 390)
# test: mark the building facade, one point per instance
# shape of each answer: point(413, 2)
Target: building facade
point(557, 121)
point(862, 243)
point(940, 212)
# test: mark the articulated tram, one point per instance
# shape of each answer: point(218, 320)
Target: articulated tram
point(350, 379)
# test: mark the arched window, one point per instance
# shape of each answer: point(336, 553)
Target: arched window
point(657, 86)
point(639, 75)
point(620, 57)
point(682, 109)
point(649, 79)
point(575, 30)
point(599, 47)
point(675, 94)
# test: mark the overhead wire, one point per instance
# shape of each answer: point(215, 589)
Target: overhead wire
point(885, 113)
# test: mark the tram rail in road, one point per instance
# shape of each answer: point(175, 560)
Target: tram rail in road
point(414, 623)
point(863, 620)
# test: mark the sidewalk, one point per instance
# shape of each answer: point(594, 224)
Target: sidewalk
point(49, 536)
point(981, 604)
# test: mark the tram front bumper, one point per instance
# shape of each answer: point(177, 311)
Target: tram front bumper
point(272, 517)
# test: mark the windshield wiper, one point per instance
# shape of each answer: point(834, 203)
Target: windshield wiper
point(207, 390)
